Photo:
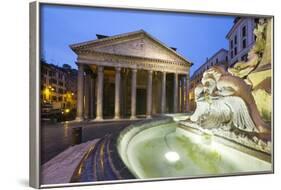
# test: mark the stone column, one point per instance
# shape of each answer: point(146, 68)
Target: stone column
point(87, 95)
point(80, 93)
point(163, 93)
point(124, 92)
point(149, 94)
point(99, 111)
point(183, 92)
point(133, 93)
point(117, 93)
point(179, 94)
point(187, 93)
point(175, 92)
point(92, 96)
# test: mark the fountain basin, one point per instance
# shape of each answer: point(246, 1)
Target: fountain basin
point(163, 149)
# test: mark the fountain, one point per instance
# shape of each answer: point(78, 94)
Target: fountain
point(228, 133)
point(167, 149)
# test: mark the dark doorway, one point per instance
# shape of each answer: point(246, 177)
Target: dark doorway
point(141, 101)
point(108, 100)
point(169, 92)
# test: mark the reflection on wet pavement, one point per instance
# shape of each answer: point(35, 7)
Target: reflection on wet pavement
point(55, 138)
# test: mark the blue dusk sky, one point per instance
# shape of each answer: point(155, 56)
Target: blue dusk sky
point(196, 36)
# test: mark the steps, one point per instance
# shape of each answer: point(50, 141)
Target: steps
point(102, 163)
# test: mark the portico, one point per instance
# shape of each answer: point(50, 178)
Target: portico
point(129, 75)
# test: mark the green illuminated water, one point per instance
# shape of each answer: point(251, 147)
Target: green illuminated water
point(198, 155)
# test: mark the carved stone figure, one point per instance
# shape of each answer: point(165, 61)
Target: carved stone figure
point(236, 103)
point(260, 37)
point(242, 68)
point(226, 100)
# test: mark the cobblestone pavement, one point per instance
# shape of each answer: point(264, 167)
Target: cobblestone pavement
point(56, 138)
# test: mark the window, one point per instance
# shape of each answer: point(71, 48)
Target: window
point(54, 98)
point(50, 73)
point(244, 31)
point(235, 51)
point(53, 81)
point(231, 54)
point(231, 44)
point(217, 60)
point(235, 39)
point(226, 58)
point(60, 91)
point(244, 43)
point(60, 83)
point(60, 98)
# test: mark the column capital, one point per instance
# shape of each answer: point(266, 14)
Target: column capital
point(118, 68)
point(100, 69)
point(134, 69)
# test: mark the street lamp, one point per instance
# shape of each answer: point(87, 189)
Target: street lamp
point(46, 94)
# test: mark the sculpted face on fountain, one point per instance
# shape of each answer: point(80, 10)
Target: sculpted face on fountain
point(226, 99)
point(209, 84)
point(214, 72)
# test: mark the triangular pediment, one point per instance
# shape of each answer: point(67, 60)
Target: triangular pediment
point(137, 44)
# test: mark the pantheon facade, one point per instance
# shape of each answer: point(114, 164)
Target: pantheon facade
point(128, 76)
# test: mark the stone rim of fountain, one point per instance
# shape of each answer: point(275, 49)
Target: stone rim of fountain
point(131, 131)
point(135, 129)
point(233, 144)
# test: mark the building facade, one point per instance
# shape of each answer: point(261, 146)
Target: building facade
point(219, 58)
point(58, 86)
point(241, 39)
point(129, 75)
